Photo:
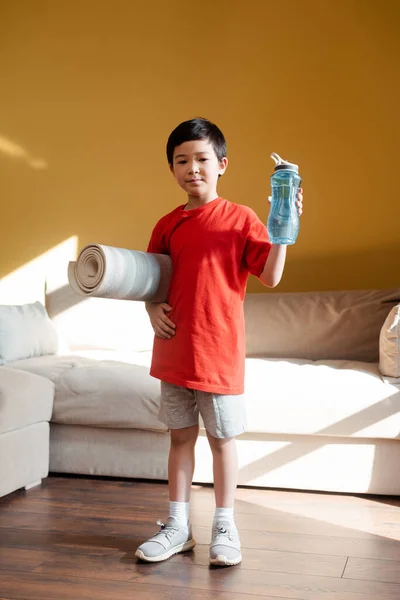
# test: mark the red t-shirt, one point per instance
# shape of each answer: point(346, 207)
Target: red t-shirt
point(213, 249)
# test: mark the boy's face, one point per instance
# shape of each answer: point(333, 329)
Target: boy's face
point(196, 167)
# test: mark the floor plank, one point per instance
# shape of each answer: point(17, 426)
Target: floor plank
point(32, 586)
point(373, 570)
point(22, 559)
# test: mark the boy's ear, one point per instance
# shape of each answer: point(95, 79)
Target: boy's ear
point(223, 164)
point(171, 168)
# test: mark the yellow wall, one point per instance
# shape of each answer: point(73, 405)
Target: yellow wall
point(90, 91)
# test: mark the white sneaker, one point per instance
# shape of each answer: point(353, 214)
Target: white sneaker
point(171, 539)
point(225, 545)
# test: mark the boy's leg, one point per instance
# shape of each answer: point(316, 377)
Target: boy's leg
point(179, 412)
point(180, 472)
point(225, 469)
point(224, 417)
point(178, 409)
point(225, 542)
point(181, 463)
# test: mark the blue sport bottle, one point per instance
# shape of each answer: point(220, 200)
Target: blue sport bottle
point(283, 220)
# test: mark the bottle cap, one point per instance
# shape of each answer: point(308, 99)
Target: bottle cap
point(283, 164)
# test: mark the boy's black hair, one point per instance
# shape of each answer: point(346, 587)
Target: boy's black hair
point(196, 129)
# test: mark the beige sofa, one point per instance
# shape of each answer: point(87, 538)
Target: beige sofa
point(321, 413)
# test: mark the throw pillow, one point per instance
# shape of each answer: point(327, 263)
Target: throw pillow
point(26, 331)
point(389, 344)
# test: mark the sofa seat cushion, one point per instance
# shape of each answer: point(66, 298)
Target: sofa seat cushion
point(293, 396)
point(25, 399)
point(100, 392)
point(332, 397)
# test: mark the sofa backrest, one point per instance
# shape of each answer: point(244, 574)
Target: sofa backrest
point(317, 325)
point(310, 325)
point(99, 323)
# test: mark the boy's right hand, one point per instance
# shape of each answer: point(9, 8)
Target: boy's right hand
point(163, 326)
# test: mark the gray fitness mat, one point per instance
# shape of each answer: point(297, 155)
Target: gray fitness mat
point(109, 272)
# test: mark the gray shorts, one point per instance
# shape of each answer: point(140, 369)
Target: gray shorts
point(224, 416)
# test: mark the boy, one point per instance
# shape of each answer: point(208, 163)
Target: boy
point(199, 344)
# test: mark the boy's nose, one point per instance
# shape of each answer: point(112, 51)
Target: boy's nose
point(194, 168)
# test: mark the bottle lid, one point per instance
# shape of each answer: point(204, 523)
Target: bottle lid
point(283, 164)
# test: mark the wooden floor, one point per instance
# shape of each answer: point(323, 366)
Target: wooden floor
point(75, 538)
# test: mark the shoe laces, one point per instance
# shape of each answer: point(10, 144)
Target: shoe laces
point(221, 530)
point(167, 530)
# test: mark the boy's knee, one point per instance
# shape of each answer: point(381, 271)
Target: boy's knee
point(187, 435)
point(218, 444)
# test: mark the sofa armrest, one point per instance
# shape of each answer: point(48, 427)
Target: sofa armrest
point(25, 399)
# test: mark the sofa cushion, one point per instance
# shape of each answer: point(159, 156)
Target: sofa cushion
point(337, 398)
point(317, 325)
point(100, 393)
point(108, 394)
point(389, 344)
point(52, 367)
point(25, 399)
point(26, 331)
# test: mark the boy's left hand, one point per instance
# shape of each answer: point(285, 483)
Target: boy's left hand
point(299, 201)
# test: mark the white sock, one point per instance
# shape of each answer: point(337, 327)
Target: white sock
point(180, 511)
point(225, 514)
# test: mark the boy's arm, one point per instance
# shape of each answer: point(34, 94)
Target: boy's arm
point(274, 265)
point(155, 246)
point(163, 327)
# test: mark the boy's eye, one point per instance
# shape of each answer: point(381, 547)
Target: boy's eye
point(203, 159)
point(181, 162)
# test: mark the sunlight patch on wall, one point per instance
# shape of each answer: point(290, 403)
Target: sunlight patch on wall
point(27, 284)
point(17, 152)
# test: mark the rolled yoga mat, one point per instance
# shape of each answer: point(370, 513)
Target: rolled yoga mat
point(109, 272)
